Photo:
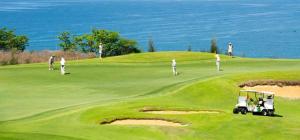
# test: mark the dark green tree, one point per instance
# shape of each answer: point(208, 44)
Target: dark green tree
point(213, 46)
point(67, 43)
point(151, 47)
point(85, 43)
point(80, 44)
point(9, 40)
point(113, 43)
point(126, 47)
point(189, 48)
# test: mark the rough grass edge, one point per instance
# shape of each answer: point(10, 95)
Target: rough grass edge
point(279, 83)
point(18, 57)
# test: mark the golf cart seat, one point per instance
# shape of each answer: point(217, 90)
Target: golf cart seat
point(261, 102)
point(269, 104)
point(242, 101)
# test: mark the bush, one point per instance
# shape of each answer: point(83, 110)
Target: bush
point(13, 59)
point(213, 46)
point(151, 47)
point(189, 48)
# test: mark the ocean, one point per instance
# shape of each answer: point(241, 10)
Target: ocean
point(269, 28)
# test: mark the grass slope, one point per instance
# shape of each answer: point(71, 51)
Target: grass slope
point(39, 104)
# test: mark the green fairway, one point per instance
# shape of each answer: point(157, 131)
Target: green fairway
point(38, 104)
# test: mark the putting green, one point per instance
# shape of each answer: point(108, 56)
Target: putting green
point(39, 104)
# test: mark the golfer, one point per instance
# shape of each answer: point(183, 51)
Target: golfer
point(230, 49)
point(62, 65)
point(218, 59)
point(100, 50)
point(174, 67)
point(51, 62)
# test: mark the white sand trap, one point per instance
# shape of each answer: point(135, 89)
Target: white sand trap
point(152, 122)
point(182, 112)
point(292, 92)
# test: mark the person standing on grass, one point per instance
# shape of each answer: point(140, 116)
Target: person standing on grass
point(174, 67)
point(230, 49)
point(62, 65)
point(218, 60)
point(100, 50)
point(51, 63)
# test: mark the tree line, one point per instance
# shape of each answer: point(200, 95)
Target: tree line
point(113, 43)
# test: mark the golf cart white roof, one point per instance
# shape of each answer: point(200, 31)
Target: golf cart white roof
point(261, 92)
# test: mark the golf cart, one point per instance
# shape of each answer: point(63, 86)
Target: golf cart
point(263, 102)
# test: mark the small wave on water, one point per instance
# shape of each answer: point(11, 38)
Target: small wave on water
point(254, 5)
point(23, 5)
point(19, 5)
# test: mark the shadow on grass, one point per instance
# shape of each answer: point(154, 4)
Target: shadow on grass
point(275, 115)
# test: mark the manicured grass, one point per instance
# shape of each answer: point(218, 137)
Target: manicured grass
point(39, 104)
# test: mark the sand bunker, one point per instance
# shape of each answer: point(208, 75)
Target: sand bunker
point(180, 112)
point(292, 92)
point(151, 122)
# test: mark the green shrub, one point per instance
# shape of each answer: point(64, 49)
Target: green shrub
point(214, 46)
point(151, 47)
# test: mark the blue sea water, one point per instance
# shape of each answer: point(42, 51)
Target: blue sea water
point(269, 28)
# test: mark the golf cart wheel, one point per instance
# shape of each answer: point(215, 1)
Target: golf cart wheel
point(235, 111)
point(244, 111)
point(264, 112)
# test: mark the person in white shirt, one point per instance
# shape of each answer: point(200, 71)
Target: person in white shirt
point(218, 60)
point(51, 62)
point(230, 49)
point(62, 65)
point(174, 67)
point(100, 50)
